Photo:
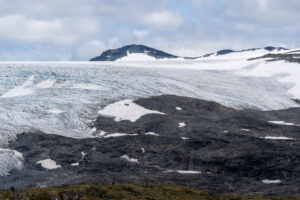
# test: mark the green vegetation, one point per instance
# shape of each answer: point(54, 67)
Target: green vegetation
point(128, 192)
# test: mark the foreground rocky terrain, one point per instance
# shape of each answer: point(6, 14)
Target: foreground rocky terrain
point(190, 142)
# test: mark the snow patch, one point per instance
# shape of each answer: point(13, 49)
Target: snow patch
point(143, 150)
point(178, 108)
point(75, 164)
point(56, 111)
point(24, 90)
point(283, 123)
point(243, 129)
point(151, 133)
point(184, 171)
point(188, 172)
point(277, 138)
point(181, 125)
point(287, 73)
point(134, 160)
point(126, 110)
point(93, 130)
point(48, 164)
point(267, 181)
point(102, 133)
point(10, 160)
point(118, 135)
point(185, 138)
point(136, 57)
point(46, 84)
point(83, 154)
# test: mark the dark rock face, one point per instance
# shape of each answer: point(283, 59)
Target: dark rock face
point(268, 48)
point(225, 145)
point(228, 51)
point(114, 54)
point(224, 52)
point(293, 57)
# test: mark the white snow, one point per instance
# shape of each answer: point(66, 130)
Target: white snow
point(143, 150)
point(188, 172)
point(87, 86)
point(83, 154)
point(10, 160)
point(243, 129)
point(126, 157)
point(46, 84)
point(184, 171)
point(283, 123)
point(118, 135)
point(225, 131)
point(267, 181)
point(102, 133)
point(232, 81)
point(136, 57)
point(185, 138)
point(181, 125)
point(278, 138)
point(285, 72)
point(93, 130)
point(48, 164)
point(126, 110)
point(75, 164)
point(178, 108)
point(56, 111)
point(24, 90)
point(151, 133)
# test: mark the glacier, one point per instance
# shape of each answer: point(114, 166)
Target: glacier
point(64, 97)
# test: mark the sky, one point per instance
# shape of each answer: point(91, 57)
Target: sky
point(63, 30)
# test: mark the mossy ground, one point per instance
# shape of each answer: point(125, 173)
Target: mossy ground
point(127, 191)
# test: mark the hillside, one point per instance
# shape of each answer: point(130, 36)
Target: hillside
point(125, 192)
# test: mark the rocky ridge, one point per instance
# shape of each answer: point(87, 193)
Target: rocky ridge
point(195, 143)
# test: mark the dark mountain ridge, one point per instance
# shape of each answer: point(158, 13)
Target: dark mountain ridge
point(115, 54)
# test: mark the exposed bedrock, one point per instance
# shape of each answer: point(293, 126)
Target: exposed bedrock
point(196, 143)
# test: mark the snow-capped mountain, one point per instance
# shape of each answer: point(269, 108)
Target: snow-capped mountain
point(264, 50)
point(132, 52)
point(143, 53)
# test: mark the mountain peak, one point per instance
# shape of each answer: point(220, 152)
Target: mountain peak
point(139, 52)
point(115, 54)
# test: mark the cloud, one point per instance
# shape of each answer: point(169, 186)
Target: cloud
point(21, 28)
point(162, 19)
point(141, 34)
point(81, 29)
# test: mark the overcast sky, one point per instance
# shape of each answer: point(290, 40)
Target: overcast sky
point(81, 29)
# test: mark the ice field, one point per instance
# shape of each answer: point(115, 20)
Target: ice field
point(64, 97)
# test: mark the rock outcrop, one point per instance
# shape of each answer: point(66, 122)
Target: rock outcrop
point(196, 143)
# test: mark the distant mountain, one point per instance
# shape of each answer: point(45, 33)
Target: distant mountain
point(228, 51)
point(142, 52)
point(115, 54)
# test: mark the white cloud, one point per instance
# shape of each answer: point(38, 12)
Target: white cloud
point(81, 29)
point(90, 48)
point(21, 28)
point(162, 19)
point(141, 34)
